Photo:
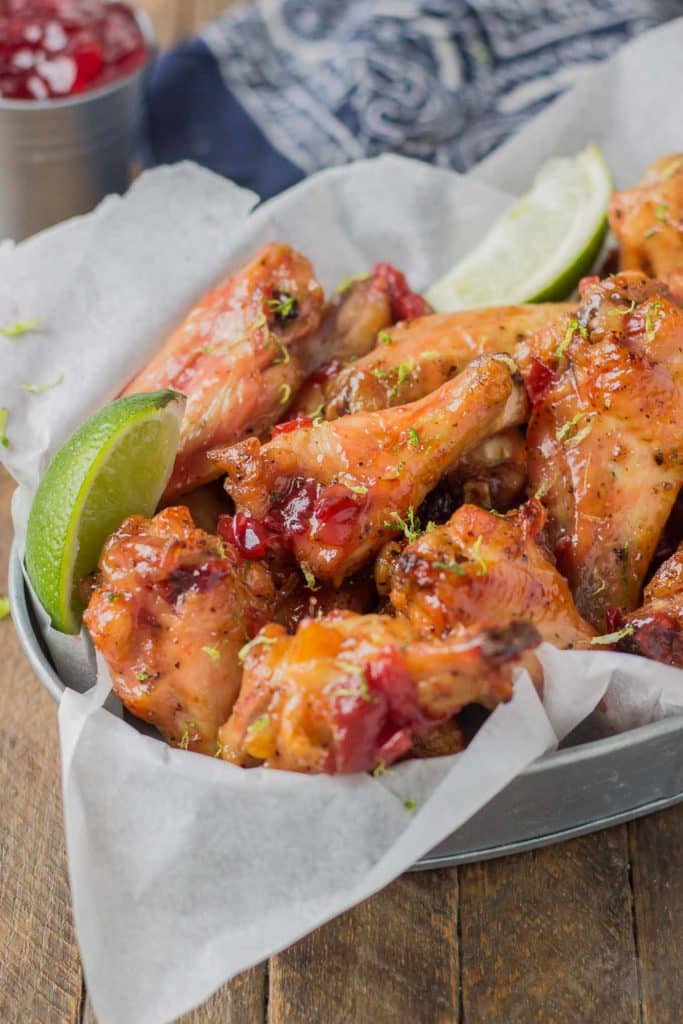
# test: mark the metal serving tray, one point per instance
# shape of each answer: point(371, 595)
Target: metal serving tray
point(576, 790)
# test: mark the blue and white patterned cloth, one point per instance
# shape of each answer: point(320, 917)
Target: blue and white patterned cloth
point(277, 89)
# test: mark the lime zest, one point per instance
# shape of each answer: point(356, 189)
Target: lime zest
point(613, 638)
point(39, 389)
point(19, 327)
point(4, 440)
point(4, 606)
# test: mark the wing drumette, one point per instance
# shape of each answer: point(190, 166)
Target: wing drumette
point(413, 359)
point(334, 492)
point(484, 570)
point(656, 629)
point(234, 357)
point(172, 608)
point(606, 436)
point(350, 692)
point(648, 221)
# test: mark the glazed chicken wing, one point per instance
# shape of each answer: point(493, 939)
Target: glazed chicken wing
point(235, 358)
point(606, 435)
point(172, 608)
point(656, 629)
point(334, 492)
point(648, 222)
point(353, 692)
point(413, 359)
point(484, 570)
point(350, 327)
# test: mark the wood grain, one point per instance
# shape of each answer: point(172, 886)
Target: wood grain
point(656, 843)
point(40, 978)
point(392, 959)
point(243, 1001)
point(548, 936)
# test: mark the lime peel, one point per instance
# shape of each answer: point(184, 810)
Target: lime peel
point(540, 248)
point(115, 465)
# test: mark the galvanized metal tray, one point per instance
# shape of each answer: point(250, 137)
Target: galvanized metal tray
point(579, 789)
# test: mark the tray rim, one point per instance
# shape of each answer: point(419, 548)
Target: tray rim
point(48, 676)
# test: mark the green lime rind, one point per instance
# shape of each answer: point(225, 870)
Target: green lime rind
point(564, 286)
point(542, 246)
point(115, 465)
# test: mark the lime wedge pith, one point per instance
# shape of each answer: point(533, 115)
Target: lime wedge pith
point(116, 464)
point(541, 247)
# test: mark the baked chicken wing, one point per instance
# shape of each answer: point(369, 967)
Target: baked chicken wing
point(355, 692)
point(605, 436)
point(648, 222)
point(480, 569)
point(172, 608)
point(235, 358)
point(332, 493)
point(413, 359)
point(656, 629)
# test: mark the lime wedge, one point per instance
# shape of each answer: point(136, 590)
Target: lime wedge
point(539, 249)
point(116, 464)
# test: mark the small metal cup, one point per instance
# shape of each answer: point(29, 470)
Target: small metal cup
point(59, 158)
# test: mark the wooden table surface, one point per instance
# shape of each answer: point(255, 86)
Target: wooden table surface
point(589, 932)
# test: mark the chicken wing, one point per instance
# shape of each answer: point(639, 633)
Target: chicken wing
point(605, 438)
point(334, 492)
point(350, 327)
point(235, 358)
point(484, 570)
point(656, 629)
point(648, 222)
point(413, 359)
point(354, 692)
point(172, 609)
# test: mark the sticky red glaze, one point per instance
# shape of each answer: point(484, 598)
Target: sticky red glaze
point(614, 618)
point(587, 282)
point(538, 379)
point(381, 723)
point(405, 303)
point(50, 49)
point(290, 425)
point(328, 514)
point(249, 535)
point(323, 374)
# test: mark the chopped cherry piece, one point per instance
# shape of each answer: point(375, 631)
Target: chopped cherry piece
point(57, 48)
point(248, 534)
point(334, 515)
point(405, 303)
point(290, 425)
point(537, 381)
point(614, 617)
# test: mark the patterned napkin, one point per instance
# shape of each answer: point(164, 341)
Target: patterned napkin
point(277, 89)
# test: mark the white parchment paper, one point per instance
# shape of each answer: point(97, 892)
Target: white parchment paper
point(185, 870)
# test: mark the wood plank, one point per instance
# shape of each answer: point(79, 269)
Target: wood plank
point(547, 936)
point(241, 1002)
point(393, 958)
point(656, 843)
point(40, 978)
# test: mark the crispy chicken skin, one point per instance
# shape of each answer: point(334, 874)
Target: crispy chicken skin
point(648, 222)
point(656, 629)
point(494, 473)
point(172, 608)
point(605, 436)
point(415, 358)
point(332, 493)
point(350, 693)
point(484, 570)
point(235, 358)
